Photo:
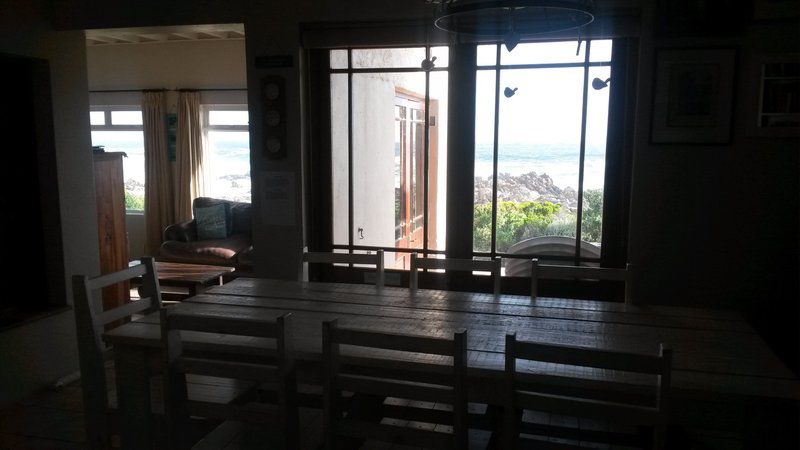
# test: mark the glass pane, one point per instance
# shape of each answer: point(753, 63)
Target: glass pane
point(228, 165)
point(538, 158)
point(338, 59)
point(601, 50)
point(132, 143)
point(487, 55)
point(442, 55)
point(437, 161)
point(594, 163)
point(388, 57)
point(543, 53)
point(222, 117)
point(126, 117)
point(339, 167)
point(389, 108)
point(97, 117)
point(484, 153)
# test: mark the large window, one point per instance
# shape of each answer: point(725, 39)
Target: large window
point(527, 172)
point(119, 129)
point(388, 150)
point(540, 151)
point(227, 155)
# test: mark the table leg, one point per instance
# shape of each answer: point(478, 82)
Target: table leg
point(133, 397)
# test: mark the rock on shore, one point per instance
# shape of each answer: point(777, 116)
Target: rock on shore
point(525, 188)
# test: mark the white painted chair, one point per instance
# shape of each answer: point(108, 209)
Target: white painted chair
point(372, 366)
point(612, 405)
point(375, 259)
point(91, 320)
point(466, 265)
point(231, 359)
point(542, 271)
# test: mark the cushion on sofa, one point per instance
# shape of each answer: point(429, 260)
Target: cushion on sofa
point(212, 221)
point(239, 213)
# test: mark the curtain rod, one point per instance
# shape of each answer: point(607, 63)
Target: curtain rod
point(156, 90)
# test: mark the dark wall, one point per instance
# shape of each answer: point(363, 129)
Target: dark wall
point(718, 225)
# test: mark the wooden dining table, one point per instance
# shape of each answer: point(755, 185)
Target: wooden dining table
point(724, 375)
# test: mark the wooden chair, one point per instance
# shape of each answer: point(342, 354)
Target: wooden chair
point(542, 271)
point(618, 402)
point(90, 321)
point(344, 258)
point(273, 366)
point(467, 265)
point(367, 370)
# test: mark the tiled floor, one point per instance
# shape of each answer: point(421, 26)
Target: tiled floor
point(49, 419)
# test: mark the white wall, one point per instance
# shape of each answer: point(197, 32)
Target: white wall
point(37, 354)
point(181, 64)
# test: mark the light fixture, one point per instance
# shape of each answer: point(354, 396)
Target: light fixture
point(511, 20)
point(598, 84)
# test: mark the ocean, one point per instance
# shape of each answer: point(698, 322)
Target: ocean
point(559, 161)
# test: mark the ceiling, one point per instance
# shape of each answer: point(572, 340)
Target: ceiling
point(115, 36)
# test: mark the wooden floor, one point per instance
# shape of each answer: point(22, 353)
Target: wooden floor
point(53, 419)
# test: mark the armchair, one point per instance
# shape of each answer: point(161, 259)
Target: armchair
point(181, 243)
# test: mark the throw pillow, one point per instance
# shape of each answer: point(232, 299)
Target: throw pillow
point(212, 222)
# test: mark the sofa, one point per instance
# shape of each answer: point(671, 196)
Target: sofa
point(224, 237)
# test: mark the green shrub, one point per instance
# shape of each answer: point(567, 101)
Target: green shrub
point(133, 201)
point(515, 222)
point(592, 215)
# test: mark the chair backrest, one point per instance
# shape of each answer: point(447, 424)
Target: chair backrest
point(568, 392)
point(543, 271)
point(375, 259)
point(90, 321)
point(229, 358)
point(372, 366)
point(466, 265)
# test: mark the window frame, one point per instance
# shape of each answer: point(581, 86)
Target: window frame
point(462, 69)
point(206, 109)
point(498, 67)
point(109, 126)
point(351, 247)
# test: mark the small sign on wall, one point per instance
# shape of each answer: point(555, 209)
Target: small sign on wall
point(278, 198)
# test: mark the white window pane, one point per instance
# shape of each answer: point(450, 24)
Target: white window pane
point(487, 55)
point(543, 53)
point(338, 59)
point(132, 143)
point(442, 55)
point(228, 165)
point(126, 117)
point(601, 50)
point(388, 57)
point(97, 118)
point(218, 117)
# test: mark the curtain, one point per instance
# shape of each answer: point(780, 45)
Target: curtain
point(190, 182)
point(158, 199)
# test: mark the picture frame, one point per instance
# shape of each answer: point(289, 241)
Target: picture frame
point(693, 96)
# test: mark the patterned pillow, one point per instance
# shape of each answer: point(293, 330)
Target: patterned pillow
point(212, 222)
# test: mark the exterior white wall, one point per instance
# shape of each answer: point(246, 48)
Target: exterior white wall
point(373, 147)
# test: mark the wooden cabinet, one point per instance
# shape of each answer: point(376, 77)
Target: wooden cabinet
point(111, 229)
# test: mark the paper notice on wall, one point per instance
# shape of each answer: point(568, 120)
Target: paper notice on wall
point(278, 199)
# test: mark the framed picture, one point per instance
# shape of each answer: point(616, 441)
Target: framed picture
point(772, 95)
point(693, 96)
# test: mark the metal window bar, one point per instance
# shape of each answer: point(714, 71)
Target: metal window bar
point(584, 111)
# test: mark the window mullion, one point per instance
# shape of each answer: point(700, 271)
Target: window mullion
point(584, 110)
point(426, 159)
point(495, 151)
